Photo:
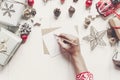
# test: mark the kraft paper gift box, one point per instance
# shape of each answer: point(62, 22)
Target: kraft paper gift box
point(115, 23)
point(9, 43)
point(10, 12)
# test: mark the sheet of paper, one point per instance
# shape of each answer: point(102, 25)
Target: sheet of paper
point(51, 42)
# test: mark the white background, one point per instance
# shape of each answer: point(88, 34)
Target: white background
point(30, 63)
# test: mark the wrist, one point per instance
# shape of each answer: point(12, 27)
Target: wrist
point(78, 63)
point(76, 56)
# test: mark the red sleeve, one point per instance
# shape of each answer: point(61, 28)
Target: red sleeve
point(84, 76)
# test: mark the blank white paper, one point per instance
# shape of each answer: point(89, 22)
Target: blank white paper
point(51, 42)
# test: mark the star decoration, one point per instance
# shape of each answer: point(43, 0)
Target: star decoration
point(8, 10)
point(95, 38)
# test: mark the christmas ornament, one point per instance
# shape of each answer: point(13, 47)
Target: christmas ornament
point(88, 20)
point(87, 23)
point(31, 2)
point(28, 13)
point(75, 0)
point(95, 38)
point(113, 39)
point(25, 31)
point(62, 1)
point(71, 11)
point(57, 12)
point(88, 3)
point(33, 12)
point(24, 37)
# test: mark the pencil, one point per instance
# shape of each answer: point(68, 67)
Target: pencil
point(67, 41)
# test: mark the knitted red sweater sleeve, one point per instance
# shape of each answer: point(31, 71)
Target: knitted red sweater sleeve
point(84, 76)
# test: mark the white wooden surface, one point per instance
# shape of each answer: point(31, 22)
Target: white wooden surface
point(30, 63)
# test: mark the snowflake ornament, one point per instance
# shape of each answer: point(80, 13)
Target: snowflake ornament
point(95, 38)
point(8, 9)
point(25, 29)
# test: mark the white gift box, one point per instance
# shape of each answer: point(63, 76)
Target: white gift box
point(9, 43)
point(11, 12)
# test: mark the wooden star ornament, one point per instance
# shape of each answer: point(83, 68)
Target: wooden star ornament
point(95, 38)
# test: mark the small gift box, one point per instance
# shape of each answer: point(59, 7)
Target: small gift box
point(10, 12)
point(116, 57)
point(115, 24)
point(9, 43)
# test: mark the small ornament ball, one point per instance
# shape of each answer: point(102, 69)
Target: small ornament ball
point(31, 2)
point(88, 3)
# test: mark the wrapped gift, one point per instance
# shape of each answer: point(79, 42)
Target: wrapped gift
point(107, 7)
point(9, 43)
point(116, 57)
point(115, 24)
point(10, 12)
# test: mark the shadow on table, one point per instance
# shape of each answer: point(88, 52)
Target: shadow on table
point(117, 67)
